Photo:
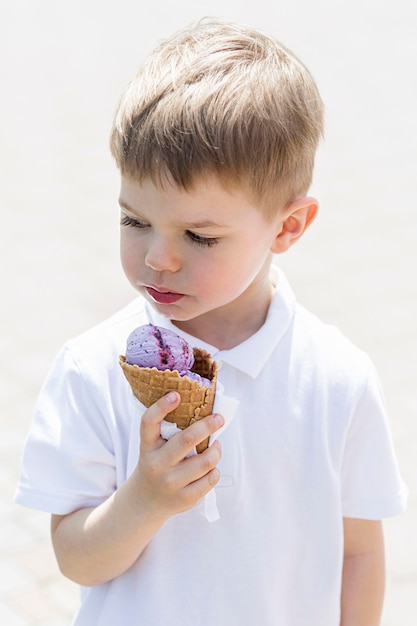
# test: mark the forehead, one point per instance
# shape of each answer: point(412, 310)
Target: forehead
point(207, 195)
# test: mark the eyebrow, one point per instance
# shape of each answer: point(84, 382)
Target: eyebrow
point(186, 225)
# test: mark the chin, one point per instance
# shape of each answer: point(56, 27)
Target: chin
point(170, 312)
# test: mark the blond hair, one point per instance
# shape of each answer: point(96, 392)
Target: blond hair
point(221, 99)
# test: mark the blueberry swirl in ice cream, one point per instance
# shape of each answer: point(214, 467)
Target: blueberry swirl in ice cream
point(154, 346)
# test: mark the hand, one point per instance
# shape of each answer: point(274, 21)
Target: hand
point(95, 544)
point(167, 483)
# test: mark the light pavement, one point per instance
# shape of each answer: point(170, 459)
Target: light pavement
point(62, 69)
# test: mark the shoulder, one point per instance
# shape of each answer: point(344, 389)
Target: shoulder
point(114, 328)
point(324, 350)
point(323, 335)
point(308, 337)
point(97, 349)
point(312, 350)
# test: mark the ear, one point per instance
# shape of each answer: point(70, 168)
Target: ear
point(294, 221)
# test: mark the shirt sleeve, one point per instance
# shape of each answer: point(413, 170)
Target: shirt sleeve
point(372, 487)
point(68, 459)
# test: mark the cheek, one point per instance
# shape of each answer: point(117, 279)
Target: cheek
point(130, 255)
point(235, 272)
point(223, 275)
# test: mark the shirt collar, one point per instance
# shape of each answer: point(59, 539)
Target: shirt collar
point(252, 354)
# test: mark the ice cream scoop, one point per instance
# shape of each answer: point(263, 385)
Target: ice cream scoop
point(158, 361)
point(153, 346)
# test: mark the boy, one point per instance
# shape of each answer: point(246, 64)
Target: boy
point(215, 141)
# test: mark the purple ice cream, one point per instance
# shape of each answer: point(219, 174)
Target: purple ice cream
point(153, 346)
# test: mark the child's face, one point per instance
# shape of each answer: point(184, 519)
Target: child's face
point(193, 253)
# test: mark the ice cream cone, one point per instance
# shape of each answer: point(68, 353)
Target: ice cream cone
point(150, 384)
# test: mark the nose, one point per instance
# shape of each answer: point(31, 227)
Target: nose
point(162, 256)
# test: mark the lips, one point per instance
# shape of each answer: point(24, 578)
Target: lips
point(163, 296)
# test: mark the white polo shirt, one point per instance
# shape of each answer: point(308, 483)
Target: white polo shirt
point(309, 444)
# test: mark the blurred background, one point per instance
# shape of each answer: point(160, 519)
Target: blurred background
point(62, 69)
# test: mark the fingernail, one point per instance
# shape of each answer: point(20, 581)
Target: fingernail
point(171, 397)
point(219, 419)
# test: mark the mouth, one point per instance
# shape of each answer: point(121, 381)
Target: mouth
point(161, 296)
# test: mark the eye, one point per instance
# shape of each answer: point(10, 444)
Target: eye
point(126, 220)
point(200, 240)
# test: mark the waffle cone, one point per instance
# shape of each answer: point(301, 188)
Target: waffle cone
point(150, 384)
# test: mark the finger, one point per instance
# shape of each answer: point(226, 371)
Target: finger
point(200, 488)
point(195, 467)
point(150, 425)
point(184, 442)
point(194, 476)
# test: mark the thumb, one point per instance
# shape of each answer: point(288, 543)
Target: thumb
point(153, 416)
